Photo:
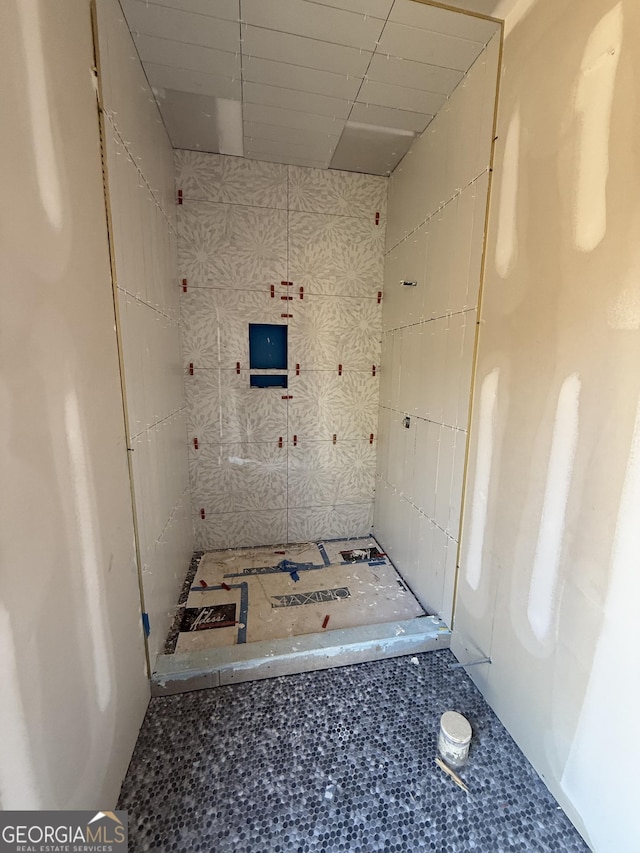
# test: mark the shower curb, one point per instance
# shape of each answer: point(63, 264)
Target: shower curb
point(217, 667)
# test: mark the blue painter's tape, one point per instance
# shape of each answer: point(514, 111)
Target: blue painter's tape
point(377, 562)
point(323, 552)
point(244, 612)
point(273, 570)
point(146, 624)
point(295, 577)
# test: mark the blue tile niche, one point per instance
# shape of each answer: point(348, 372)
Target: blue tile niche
point(267, 346)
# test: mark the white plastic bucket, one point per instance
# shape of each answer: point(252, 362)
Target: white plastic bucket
point(454, 739)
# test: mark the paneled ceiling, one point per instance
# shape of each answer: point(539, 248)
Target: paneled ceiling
point(343, 84)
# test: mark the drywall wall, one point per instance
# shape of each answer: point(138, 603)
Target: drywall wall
point(140, 172)
point(74, 685)
point(283, 245)
point(435, 236)
point(549, 575)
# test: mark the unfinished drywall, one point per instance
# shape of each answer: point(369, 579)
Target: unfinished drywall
point(435, 233)
point(140, 172)
point(265, 243)
point(549, 574)
point(74, 685)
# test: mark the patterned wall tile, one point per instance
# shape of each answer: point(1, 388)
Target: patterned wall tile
point(203, 406)
point(234, 180)
point(347, 520)
point(323, 474)
point(215, 324)
point(233, 246)
point(236, 239)
point(250, 414)
point(342, 193)
point(327, 331)
point(239, 477)
point(335, 254)
point(223, 409)
point(324, 404)
point(240, 529)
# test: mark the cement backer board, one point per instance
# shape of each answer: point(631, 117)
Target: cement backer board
point(351, 595)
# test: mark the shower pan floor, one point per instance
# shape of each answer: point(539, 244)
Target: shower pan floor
point(249, 595)
point(253, 613)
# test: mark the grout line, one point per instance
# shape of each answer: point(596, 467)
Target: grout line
point(240, 290)
point(442, 206)
point(197, 200)
point(422, 418)
point(332, 369)
point(172, 320)
point(160, 422)
point(288, 347)
point(420, 511)
point(366, 503)
point(390, 331)
point(269, 442)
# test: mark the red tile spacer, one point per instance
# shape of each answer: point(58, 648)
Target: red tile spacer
point(273, 291)
point(184, 285)
point(195, 443)
point(373, 370)
point(286, 283)
point(302, 293)
point(179, 196)
point(286, 298)
point(287, 397)
point(280, 552)
point(377, 217)
point(335, 438)
point(203, 514)
point(339, 370)
point(370, 438)
point(225, 586)
point(297, 370)
point(295, 440)
point(379, 297)
point(286, 315)
point(280, 442)
point(190, 368)
point(203, 583)
point(325, 621)
point(238, 367)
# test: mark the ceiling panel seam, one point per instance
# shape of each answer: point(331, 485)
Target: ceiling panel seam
point(371, 59)
point(205, 15)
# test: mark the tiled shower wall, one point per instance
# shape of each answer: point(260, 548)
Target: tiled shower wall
point(274, 465)
point(435, 232)
point(142, 204)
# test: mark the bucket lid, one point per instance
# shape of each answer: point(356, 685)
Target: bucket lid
point(455, 727)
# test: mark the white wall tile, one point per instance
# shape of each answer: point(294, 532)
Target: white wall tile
point(435, 235)
point(141, 195)
point(445, 477)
